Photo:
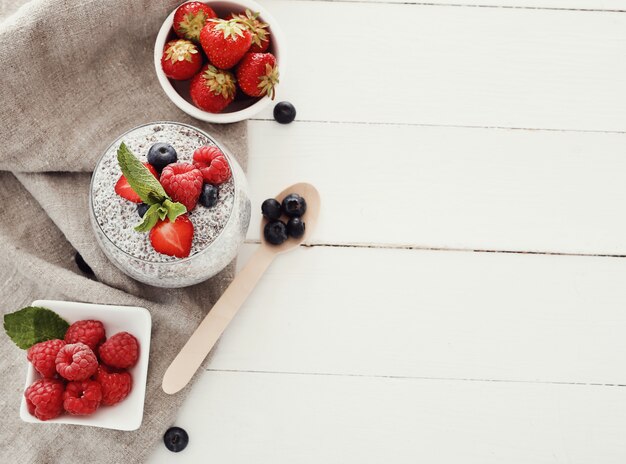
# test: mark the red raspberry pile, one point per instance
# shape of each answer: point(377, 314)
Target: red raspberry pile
point(240, 41)
point(82, 372)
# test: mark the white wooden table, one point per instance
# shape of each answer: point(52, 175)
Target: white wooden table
point(465, 300)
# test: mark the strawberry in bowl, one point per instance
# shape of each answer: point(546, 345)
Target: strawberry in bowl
point(225, 42)
point(213, 89)
point(215, 93)
point(257, 74)
point(258, 29)
point(190, 18)
point(181, 59)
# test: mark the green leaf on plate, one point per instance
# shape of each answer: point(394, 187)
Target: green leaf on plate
point(34, 324)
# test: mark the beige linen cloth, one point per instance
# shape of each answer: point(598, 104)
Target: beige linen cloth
point(74, 75)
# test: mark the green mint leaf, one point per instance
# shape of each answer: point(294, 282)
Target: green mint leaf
point(149, 190)
point(149, 219)
point(139, 177)
point(162, 212)
point(34, 324)
point(167, 209)
point(174, 210)
point(155, 197)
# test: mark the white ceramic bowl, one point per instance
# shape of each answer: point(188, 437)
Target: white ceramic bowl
point(178, 91)
point(128, 414)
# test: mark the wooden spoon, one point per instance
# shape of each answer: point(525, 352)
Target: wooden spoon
point(186, 363)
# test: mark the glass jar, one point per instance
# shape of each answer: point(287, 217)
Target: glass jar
point(219, 231)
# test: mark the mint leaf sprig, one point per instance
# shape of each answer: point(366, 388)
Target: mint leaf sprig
point(149, 190)
point(34, 324)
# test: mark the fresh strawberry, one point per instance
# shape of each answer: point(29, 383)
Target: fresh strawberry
point(181, 59)
point(258, 74)
point(225, 41)
point(190, 18)
point(124, 190)
point(183, 182)
point(258, 29)
point(213, 164)
point(212, 89)
point(173, 238)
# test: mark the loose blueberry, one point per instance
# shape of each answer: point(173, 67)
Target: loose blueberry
point(82, 265)
point(208, 196)
point(284, 112)
point(294, 205)
point(160, 155)
point(271, 209)
point(176, 439)
point(142, 208)
point(295, 227)
point(275, 232)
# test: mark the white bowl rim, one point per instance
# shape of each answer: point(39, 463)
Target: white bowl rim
point(190, 109)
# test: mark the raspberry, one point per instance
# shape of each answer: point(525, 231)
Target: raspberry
point(82, 398)
point(76, 362)
point(121, 351)
point(213, 164)
point(43, 355)
point(115, 385)
point(91, 333)
point(182, 182)
point(44, 399)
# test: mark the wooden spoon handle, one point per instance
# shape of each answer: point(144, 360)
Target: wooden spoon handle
point(186, 363)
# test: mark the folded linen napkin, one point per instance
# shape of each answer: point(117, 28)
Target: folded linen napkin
point(74, 75)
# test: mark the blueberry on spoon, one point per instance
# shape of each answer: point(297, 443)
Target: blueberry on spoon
point(275, 232)
point(295, 227)
point(294, 205)
point(271, 209)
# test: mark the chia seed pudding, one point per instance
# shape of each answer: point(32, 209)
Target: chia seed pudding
point(218, 231)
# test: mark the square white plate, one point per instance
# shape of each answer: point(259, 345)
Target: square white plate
point(128, 414)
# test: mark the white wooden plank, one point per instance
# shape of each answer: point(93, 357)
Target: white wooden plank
point(453, 66)
point(596, 5)
point(449, 187)
point(243, 418)
point(433, 314)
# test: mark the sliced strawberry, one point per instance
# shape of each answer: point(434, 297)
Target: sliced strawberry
point(173, 238)
point(124, 190)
